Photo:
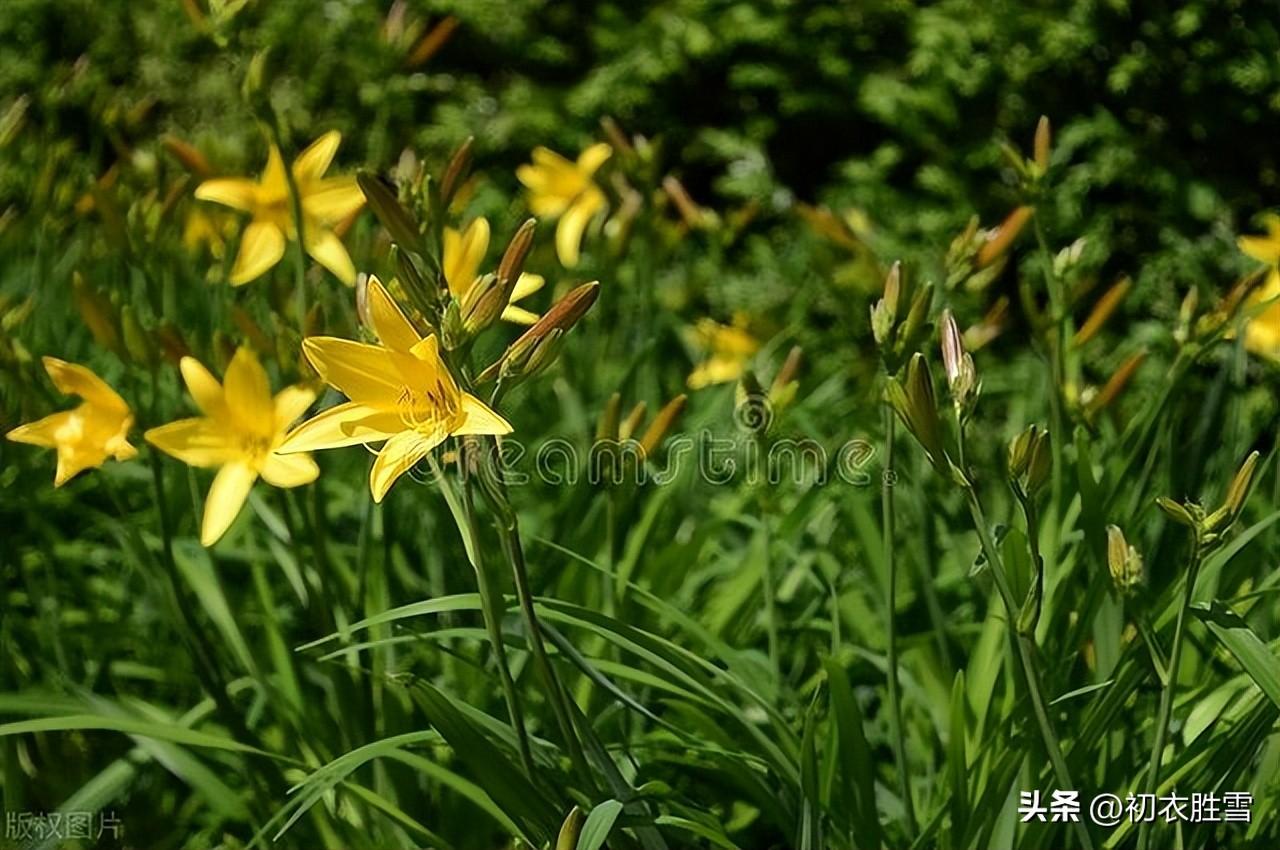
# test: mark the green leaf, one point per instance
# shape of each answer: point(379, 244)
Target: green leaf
point(1257, 659)
point(598, 825)
point(857, 771)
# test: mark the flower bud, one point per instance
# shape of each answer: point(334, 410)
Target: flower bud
point(1177, 512)
point(1043, 141)
point(389, 211)
point(452, 332)
point(1238, 491)
point(98, 314)
point(521, 356)
point(188, 155)
point(884, 314)
point(1102, 311)
point(456, 171)
point(911, 328)
point(628, 426)
point(136, 340)
point(570, 830)
point(1030, 460)
point(1115, 385)
point(484, 302)
point(512, 263)
point(661, 425)
point(1000, 239)
point(917, 407)
point(607, 426)
point(1124, 562)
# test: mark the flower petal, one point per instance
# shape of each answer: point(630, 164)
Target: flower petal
point(432, 369)
point(235, 192)
point(1264, 249)
point(274, 185)
point(204, 388)
point(573, 223)
point(519, 315)
point(364, 373)
point(226, 497)
point(248, 394)
point(74, 379)
point(479, 418)
point(463, 253)
point(346, 424)
point(42, 432)
point(291, 470)
point(593, 157)
point(290, 403)
point(526, 285)
point(261, 247)
point(397, 457)
point(333, 200)
point(196, 442)
point(313, 162)
point(394, 330)
point(327, 249)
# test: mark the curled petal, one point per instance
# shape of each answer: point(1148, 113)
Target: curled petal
point(478, 418)
point(397, 457)
point(74, 379)
point(347, 424)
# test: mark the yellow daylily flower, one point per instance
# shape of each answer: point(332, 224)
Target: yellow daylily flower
point(325, 202)
point(464, 252)
point(558, 187)
point(86, 435)
point(240, 434)
point(401, 394)
point(1262, 335)
point(728, 348)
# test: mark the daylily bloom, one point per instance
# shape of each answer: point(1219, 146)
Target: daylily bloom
point(558, 187)
point(1262, 336)
point(400, 392)
point(464, 251)
point(325, 202)
point(240, 434)
point(729, 347)
point(84, 436)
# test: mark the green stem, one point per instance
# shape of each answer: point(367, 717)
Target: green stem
point(300, 250)
point(1170, 684)
point(509, 533)
point(1057, 348)
point(891, 604)
point(490, 603)
point(1026, 655)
